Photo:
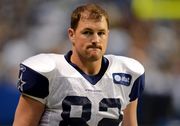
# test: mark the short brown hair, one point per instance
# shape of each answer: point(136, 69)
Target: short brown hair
point(95, 12)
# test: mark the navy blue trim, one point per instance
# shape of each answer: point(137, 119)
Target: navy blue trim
point(137, 88)
point(93, 79)
point(32, 83)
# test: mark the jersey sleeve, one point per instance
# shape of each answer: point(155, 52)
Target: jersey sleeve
point(137, 88)
point(34, 77)
point(138, 72)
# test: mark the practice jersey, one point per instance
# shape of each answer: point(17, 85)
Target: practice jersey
point(73, 98)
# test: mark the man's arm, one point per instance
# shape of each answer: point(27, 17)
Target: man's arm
point(130, 114)
point(28, 112)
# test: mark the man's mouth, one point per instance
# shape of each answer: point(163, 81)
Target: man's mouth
point(94, 47)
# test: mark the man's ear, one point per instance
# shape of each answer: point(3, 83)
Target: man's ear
point(71, 34)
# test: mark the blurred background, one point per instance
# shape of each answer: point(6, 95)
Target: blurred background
point(147, 30)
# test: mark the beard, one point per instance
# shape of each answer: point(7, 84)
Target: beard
point(91, 54)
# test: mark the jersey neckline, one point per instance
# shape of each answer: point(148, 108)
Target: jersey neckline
point(93, 79)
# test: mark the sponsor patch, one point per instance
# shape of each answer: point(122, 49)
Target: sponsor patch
point(122, 78)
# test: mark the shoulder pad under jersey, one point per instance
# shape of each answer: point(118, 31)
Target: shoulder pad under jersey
point(132, 67)
point(34, 76)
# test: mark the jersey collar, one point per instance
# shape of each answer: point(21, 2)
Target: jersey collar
point(93, 79)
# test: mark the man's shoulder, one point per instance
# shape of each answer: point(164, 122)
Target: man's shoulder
point(126, 62)
point(43, 62)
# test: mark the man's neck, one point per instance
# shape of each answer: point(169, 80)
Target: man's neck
point(88, 67)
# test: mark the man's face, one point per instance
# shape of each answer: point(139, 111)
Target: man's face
point(90, 38)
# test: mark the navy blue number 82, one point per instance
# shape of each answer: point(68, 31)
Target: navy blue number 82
point(104, 104)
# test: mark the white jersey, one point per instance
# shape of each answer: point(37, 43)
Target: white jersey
point(73, 98)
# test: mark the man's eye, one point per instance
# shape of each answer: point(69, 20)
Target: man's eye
point(101, 33)
point(87, 33)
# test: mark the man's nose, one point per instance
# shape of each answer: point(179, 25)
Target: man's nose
point(95, 38)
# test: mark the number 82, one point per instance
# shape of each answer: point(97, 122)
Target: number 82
point(104, 104)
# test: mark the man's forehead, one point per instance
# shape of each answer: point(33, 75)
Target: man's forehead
point(92, 25)
point(91, 22)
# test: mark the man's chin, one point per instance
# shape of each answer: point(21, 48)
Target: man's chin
point(95, 56)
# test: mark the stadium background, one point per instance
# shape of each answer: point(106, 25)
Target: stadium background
point(147, 30)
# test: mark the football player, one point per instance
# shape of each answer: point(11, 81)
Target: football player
point(84, 87)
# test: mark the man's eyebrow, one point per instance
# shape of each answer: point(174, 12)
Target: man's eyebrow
point(89, 29)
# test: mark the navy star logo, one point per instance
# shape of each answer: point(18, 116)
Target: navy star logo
point(21, 83)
